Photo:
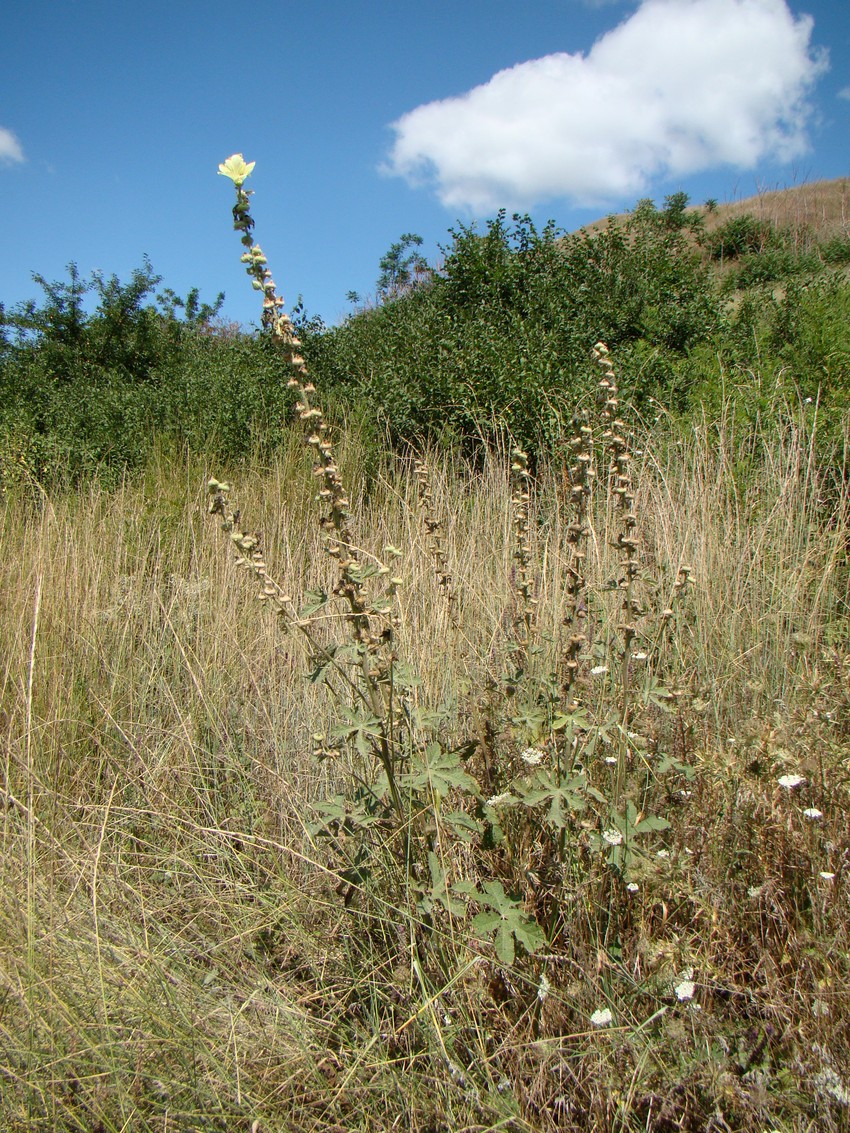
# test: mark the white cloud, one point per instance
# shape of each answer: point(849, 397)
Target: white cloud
point(678, 87)
point(10, 148)
point(844, 93)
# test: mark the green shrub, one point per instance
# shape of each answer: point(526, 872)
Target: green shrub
point(739, 236)
point(497, 340)
point(92, 392)
point(810, 333)
point(836, 250)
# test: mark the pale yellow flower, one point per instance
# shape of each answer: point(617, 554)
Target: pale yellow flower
point(236, 168)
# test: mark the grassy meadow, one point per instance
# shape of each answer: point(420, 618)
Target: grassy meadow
point(174, 947)
point(484, 791)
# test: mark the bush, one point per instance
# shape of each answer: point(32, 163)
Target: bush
point(810, 332)
point(497, 340)
point(84, 393)
point(739, 236)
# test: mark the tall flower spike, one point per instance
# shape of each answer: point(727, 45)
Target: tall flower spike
point(581, 473)
point(523, 582)
point(621, 487)
point(435, 533)
point(361, 609)
point(361, 612)
point(620, 478)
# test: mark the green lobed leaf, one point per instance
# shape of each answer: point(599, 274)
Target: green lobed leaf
point(315, 599)
point(464, 825)
point(439, 770)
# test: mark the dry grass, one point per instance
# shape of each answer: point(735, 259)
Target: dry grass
point(810, 214)
point(818, 209)
point(173, 951)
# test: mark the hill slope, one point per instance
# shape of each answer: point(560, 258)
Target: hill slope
point(809, 213)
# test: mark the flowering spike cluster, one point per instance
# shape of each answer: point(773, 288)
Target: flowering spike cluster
point(434, 531)
point(274, 317)
point(373, 640)
point(336, 518)
point(520, 500)
point(614, 437)
point(249, 552)
point(581, 474)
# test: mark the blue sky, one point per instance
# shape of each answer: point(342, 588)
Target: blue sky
point(369, 120)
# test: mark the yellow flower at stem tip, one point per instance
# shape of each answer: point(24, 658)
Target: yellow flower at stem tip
point(236, 168)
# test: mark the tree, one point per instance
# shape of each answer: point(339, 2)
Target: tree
point(123, 333)
point(399, 272)
point(195, 313)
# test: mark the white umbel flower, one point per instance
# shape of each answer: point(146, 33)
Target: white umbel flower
point(543, 988)
point(789, 782)
point(685, 990)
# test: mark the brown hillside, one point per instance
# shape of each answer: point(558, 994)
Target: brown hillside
point(816, 210)
point(819, 209)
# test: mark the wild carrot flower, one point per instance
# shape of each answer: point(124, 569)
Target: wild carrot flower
point(543, 988)
point(789, 782)
point(685, 990)
point(500, 800)
point(602, 1017)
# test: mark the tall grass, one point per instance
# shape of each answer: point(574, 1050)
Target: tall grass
point(176, 948)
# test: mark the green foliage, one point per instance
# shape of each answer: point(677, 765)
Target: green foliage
point(754, 252)
point(93, 391)
point(809, 330)
point(776, 345)
point(400, 272)
point(497, 339)
point(502, 919)
point(493, 343)
point(123, 334)
point(739, 236)
point(836, 250)
point(619, 841)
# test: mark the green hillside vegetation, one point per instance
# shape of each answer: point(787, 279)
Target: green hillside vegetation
point(696, 304)
point(474, 756)
point(99, 375)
